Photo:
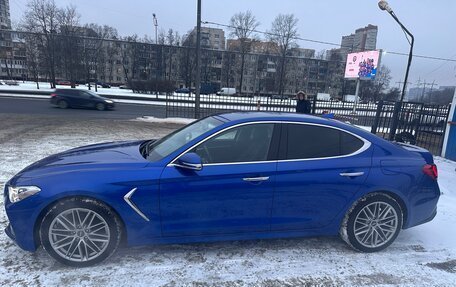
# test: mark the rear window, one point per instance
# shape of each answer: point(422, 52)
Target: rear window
point(308, 141)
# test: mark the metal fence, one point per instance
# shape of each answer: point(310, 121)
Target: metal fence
point(417, 123)
point(182, 105)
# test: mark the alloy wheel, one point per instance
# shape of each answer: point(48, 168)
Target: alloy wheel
point(79, 234)
point(376, 224)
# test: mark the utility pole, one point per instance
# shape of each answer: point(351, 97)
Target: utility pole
point(430, 92)
point(423, 91)
point(198, 60)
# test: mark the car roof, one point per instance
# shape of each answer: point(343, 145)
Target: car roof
point(268, 116)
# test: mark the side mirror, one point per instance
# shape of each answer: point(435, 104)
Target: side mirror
point(190, 161)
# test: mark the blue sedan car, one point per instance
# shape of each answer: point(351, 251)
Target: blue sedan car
point(225, 177)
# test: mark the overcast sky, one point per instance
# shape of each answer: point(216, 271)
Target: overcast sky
point(432, 22)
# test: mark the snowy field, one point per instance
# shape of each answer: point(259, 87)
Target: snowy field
point(421, 256)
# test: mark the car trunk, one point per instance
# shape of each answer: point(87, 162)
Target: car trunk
point(421, 151)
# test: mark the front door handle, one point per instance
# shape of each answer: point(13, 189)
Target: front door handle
point(256, 179)
point(352, 174)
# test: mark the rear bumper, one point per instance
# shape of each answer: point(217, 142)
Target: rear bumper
point(433, 215)
point(423, 207)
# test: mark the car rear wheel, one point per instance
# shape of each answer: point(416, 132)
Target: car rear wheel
point(63, 104)
point(80, 232)
point(373, 223)
point(100, 106)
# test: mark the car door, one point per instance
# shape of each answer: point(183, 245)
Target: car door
point(232, 193)
point(86, 100)
point(71, 96)
point(320, 169)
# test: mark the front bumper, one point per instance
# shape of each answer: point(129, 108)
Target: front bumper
point(10, 232)
point(22, 216)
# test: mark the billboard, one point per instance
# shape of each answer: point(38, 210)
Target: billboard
point(362, 65)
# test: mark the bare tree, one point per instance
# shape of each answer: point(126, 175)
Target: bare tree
point(126, 52)
point(68, 51)
point(177, 38)
point(170, 37)
point(97, 56)
point(41, 16)
point(284, 32)
point(374, 90)
point(320, 55)
point(161, 37)
point(242, 28)
point(32, 53)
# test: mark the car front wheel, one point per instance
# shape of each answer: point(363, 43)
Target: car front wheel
point(80, 232)
point(100, 106)
point(373, 223)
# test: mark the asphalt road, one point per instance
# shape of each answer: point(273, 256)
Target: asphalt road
point(10, 105)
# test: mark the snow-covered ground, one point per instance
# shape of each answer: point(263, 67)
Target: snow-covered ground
point(421, 256)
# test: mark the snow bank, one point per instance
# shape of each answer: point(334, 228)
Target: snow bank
point(150, 119)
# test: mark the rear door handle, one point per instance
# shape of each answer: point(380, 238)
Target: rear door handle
point(256, 179)
point(352, 174)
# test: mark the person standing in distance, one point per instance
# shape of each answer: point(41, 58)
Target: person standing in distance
point(303, 104)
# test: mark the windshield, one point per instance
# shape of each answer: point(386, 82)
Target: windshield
point(172, 142)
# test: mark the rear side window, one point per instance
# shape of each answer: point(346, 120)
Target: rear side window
point(308, 141)
point(68, 92)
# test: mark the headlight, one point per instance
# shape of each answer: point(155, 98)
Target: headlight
point(18, 193)
point(109, 101)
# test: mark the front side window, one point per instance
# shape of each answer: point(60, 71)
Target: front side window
point(248, 143)
point(309, 141)
point(90, 93)
point(162, 148)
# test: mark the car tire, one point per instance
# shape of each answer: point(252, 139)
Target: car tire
point(373, 223)
point(62, 104)
point(80, 232)
point(100, 106)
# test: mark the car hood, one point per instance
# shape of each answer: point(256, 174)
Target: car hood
point(97, 156)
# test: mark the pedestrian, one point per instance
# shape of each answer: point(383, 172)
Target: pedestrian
point(303, 104)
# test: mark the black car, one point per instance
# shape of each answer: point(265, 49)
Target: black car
point(65, 98)
point(104, 85)
point(183, 91)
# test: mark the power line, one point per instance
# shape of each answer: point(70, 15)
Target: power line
point(331, 43)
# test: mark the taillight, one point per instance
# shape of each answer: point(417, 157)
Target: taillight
point(431, 170)
point(53, 95)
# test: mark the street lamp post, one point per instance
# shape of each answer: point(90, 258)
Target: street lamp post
point(383, 5)
point(156, 27)
point(198, 61)
point(156, 43)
